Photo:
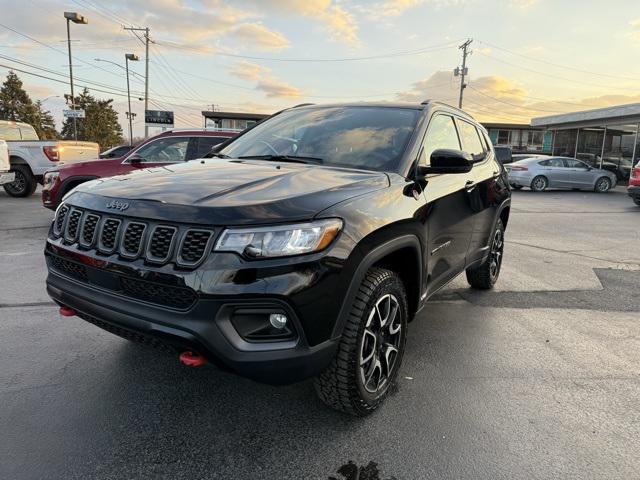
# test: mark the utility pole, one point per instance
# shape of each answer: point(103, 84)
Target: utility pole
point(462, 72)
point(77, 19)
point(146, 70)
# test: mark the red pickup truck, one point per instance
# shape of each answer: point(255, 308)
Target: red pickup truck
point(173, 146)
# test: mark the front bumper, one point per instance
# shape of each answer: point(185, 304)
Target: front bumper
point(202, 325)
point(7, 177)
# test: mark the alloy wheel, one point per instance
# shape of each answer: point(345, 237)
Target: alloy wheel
point(19, 183)
point(539, 184)
point(603, 185)
point(380, 345)
point(495, 257)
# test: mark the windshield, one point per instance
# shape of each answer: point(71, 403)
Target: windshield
point(370, 138)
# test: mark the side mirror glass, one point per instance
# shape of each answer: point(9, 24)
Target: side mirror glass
point(444, 160)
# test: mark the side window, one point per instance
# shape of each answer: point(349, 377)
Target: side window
point(28, 133)
point(552, 162)
point(164, 150)
point(441, 133)
point(471, 141)
point(571, 163)
point(9, 131)
point(206, 144)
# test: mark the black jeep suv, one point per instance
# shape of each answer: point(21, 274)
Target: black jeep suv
point(303, 248)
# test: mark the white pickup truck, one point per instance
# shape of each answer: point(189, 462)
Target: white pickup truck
point(5, 175)
point(30, 157)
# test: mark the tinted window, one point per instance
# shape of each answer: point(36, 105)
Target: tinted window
point(372, 138)
point(168, 149)
point(470, 140)
point(440, 134)
point(205, 144)
point(503, 154)
point(572, 163)
point(552, 162)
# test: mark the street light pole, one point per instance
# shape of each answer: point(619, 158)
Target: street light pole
point(129, 57)
point(78, 19)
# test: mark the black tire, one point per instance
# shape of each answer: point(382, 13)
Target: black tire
point(637, 201)
point(603, 185)
point(516, 187)
point(24, 184)
point(485, 275)
point(539, 183)
point(347, 384)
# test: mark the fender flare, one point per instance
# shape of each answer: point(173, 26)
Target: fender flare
point(365, 264)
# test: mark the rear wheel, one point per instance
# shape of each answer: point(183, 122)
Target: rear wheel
point(539, 183)
point(24, 184)
point(603, 185)
point(485, 275)
point(637, 201)
point(371, 348)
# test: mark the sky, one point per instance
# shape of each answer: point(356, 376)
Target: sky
point(529, 58)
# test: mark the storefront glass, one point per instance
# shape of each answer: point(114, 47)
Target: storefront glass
point(565, 143)
point(590, 145)
point(619, 143)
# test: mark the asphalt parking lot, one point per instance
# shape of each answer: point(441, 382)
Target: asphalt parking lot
point(537, 379)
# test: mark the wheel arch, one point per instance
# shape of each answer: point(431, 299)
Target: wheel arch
point(402, 255)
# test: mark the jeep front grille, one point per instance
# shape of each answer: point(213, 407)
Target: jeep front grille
point(133, 239)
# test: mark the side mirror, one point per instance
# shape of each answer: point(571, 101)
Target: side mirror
point(444, 160)
point(135, 159)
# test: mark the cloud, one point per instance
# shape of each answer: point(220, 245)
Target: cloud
point(270, 85)
point(259, 37)
point(524, 4)
point(340, 24)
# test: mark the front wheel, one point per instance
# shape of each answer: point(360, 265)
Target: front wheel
point(371, 348)
point(24, 183)
point(603, 185)
point(485, 275)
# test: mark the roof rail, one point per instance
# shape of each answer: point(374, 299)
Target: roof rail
point(428, 101)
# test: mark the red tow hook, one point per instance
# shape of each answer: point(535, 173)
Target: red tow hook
point(67, 312)
point(191, 359)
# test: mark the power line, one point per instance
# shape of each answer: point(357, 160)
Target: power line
point(442, 46)
point(557, 64)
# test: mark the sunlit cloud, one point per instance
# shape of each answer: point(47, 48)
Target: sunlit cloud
point(635, 32)
point(267, 83)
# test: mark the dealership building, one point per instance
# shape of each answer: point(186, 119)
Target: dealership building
point(604, 138)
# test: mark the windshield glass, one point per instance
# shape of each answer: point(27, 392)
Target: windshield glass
point(370, 138)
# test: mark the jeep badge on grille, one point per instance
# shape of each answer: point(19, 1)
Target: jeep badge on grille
point(117, 205)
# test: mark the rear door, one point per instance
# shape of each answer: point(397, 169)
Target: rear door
point(483, 188)
point(553, 169)
point(449, 213)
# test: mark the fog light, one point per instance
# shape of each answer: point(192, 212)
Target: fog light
point(278, 320)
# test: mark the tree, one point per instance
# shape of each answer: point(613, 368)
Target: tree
point(100, 124)
point(16, 105)
point(44, 124)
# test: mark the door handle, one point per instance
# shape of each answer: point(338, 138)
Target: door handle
point(470, 186)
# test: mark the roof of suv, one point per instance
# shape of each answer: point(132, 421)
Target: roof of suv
point(202, 132)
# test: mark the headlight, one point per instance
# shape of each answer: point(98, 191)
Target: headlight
point(280, 241)
point(50, 178)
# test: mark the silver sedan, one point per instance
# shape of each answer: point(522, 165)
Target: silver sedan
point(539, 174)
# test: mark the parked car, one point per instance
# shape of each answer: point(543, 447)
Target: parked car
point(559, 172)
point(172, 146)
point(31, 157)
point(303, 251)
point(504, 154)
point(6, 175)
point(634, 184)
point(117, 152)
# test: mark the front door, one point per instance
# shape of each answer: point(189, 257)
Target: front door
point(449, 212)
point(578, 173)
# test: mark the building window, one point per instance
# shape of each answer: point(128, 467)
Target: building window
point(504, 137)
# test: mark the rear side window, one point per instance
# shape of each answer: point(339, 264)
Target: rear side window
point(9, 131)
point(441, 134)
point(206, 144)
point(28, 133)
point(471, 140)
point(552, 162)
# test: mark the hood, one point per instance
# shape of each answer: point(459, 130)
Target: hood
point(229, 192)
point(90, 164)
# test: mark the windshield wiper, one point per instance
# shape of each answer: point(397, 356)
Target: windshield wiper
point(216, 154)
point(285, 158)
